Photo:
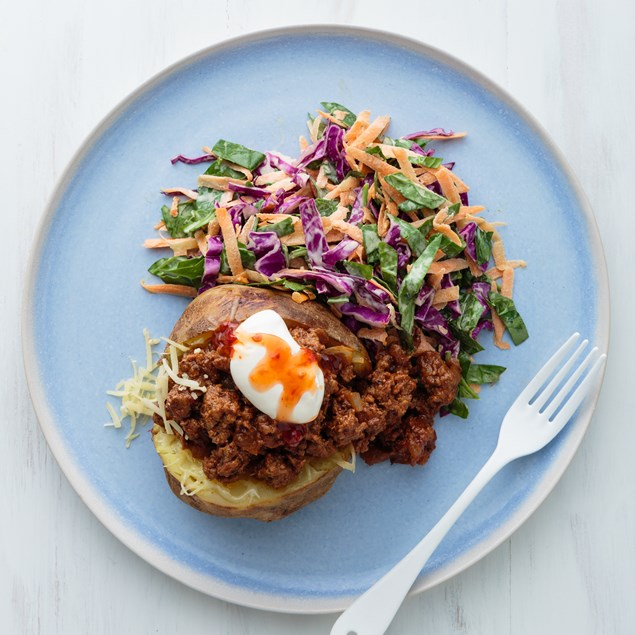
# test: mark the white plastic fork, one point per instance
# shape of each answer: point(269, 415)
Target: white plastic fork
point(533, 420)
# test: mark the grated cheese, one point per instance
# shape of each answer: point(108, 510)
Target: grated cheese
point(143, 395)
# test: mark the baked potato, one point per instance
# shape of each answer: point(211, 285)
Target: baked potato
point(248, 497)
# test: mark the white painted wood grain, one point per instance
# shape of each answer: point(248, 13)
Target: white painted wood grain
point(64, 65)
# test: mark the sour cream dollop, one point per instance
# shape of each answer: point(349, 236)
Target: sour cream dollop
point(274, 372)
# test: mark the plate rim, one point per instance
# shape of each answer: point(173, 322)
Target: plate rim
point(131, 538)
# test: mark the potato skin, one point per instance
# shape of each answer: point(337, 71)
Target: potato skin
point(235, 302)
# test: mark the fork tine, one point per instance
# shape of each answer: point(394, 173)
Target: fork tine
point(534, 385)
point(562, 373)
point(571, 382)
point(580, 393)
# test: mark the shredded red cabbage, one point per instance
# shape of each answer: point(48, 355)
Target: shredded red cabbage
point(267, 248)
point(366, 315)
point(334, 137)
point(276, 161)
point(314, 236)
point(211, 265)
point(341, 251)
point(179, 158)
point(312, 153)
point(468, 235)
point(256, 192)
point(452, 305)
point(440, 132)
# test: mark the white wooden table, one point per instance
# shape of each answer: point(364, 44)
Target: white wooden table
point(65, 64)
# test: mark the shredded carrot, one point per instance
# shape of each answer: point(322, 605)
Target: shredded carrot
point(240, 279)
point(349, 183)
point(494, 272)
point(160, 225)
point(446, 295)
point(172, 243)
point(303, 143)
point(435, 280)
point(373, 162)
point(247, 227)
point(391, 191)
point(361, 123)
point(376, 334)
point(405, 165)
point(460, 186)
point(240, 168)
point(444, 176)
point(201, 241)
point(331, 118)
point(285, 184)
point(313, 128)
point(255, 276)
point(438, 223)
point(389, 151)
point(371, 133)
point(170, 289)
point(321, 180)
point(298, 297)
point(507, 285)
point(448, 266)
point(475, 270)
point(416, 224)
point(181, 190)
point(229, 238)
point(217, 182)
point(346, 228)
point(270, 177)
point(498, 251)
point(383, 224)
point(472, 209)
point(174, 208)
point(441, 137)
point(425, 177)
point(275, 218)
point(213, 227)
point(391, 208)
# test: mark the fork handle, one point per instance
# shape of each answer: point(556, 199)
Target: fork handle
point(372, 612)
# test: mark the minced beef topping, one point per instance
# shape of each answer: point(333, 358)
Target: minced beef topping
point(387, 415)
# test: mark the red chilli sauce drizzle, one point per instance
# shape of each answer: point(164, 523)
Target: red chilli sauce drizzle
point(296, 373)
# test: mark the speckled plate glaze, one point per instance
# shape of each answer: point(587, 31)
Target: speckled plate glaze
point(84, 311)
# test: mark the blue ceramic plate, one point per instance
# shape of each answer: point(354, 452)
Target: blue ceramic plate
point(84, 311)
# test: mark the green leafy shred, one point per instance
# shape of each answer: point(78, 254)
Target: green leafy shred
point(428, 162)
point(371, 243)
point(331, 106)
point(220, 168)
point(325, 206)
point(358, 269)
point(416, 194)
point(247, 257)
point(483, 241)
point(510, 317)
point(282, 228)
point(483, 373)
point(412, 283)
point(388, 264)
point(413, 236)
point(238, 154)
point(179, 270)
